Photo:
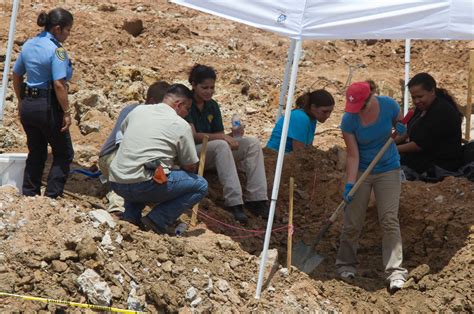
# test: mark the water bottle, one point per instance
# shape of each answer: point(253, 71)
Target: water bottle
point(180, 229)
point(236, 126)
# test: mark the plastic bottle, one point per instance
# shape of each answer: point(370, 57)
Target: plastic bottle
point(236, 126)
point(180, 229)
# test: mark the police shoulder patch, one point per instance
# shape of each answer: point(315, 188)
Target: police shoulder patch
point(61, 53)
point(210, 118)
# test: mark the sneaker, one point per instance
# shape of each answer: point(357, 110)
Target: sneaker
point(138, 223)
point(148, 225)
point(259, 208)
point(238, 212)
point(396, 284)
point(347, 275)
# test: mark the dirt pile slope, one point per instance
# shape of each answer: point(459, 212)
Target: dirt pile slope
point(46, 246)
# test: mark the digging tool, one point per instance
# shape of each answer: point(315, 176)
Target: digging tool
point(202, 163)
point(304, 256)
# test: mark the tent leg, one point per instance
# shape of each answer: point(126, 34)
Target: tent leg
point(6, 69)
point(279, 166)
point(286, 78)
point(406, 99)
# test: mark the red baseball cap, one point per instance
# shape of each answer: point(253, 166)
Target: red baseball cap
point(356, 95)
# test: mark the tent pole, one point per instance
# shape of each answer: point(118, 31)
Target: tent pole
point(279, 165)
point(407, 76)
point(286, 78)
point(6, 69)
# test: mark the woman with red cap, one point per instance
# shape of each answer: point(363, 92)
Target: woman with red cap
point(366, 126)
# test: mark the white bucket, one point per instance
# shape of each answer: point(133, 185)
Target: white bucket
point(12, 166)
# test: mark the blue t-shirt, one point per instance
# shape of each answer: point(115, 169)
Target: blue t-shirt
point(372, 137)
point(301, 129)
point(43, 60)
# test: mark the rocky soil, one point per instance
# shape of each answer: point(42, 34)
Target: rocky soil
point(56, 248)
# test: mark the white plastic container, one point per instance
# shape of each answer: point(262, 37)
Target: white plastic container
point(12, 166)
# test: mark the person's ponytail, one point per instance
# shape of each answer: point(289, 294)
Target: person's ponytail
point(303, 101)
point(55, 17)
point(43, 19)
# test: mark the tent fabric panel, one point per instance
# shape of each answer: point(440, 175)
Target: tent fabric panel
point(282, 17)
point(388, 19)
point(349, 19)
point(462, 18)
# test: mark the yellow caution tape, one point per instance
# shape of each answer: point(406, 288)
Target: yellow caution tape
point(72, 304)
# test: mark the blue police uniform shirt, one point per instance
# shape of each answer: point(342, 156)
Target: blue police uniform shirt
point(301, 129)
point(43, 60)
point(372, 137)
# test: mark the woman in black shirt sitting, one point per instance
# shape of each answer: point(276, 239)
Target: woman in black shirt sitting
point(434, 132)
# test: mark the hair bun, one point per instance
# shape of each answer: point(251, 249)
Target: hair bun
point(43, 19)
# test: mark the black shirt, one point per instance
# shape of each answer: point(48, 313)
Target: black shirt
point(439, 135)
point(209, 120)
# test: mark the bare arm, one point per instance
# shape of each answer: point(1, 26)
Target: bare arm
point(17, 81)
point(399, 139)
point(198, 137)
point(352, 163)
point(60, 88)
point(297, 145)
point(410, 147)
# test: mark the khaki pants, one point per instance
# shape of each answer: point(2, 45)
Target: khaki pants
point(116, 202)
point(387, 194)
point(248, 158)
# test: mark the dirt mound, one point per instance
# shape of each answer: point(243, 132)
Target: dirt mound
point(46, 245)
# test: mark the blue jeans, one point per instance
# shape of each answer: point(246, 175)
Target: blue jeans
point(182, 191)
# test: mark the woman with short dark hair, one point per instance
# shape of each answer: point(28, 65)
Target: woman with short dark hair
point(434, 132)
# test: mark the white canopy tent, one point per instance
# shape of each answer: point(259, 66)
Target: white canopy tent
point(342, 19)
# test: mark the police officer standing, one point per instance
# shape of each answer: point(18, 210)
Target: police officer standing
point(43, 102)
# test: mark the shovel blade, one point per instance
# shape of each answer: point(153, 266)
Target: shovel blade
point(305, 258)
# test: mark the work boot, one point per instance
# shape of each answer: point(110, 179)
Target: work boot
point(258, 208)
point(150, 225)
point(138, 223)
point(347, 276)
point(238, 212)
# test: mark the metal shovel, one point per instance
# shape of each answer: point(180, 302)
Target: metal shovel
point(305, 257)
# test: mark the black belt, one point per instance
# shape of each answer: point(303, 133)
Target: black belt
point(34, 92)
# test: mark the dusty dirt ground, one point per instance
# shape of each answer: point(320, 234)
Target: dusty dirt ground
point(47, 244)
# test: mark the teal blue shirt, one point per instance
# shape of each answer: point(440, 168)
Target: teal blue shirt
point(301, 129)
point(372, 137)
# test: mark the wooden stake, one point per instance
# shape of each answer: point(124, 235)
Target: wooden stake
point(202, 162)
point(290, 225)
point(470, 85)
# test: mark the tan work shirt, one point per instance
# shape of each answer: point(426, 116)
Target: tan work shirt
point(152, 132)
